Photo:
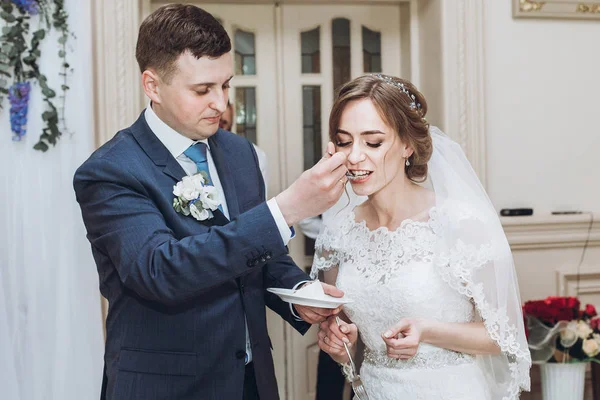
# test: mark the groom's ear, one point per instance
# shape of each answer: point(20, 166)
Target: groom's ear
point(150, 82)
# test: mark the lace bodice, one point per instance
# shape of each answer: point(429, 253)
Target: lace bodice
point(390, 275)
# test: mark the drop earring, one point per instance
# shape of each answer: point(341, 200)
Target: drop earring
point(407, 163)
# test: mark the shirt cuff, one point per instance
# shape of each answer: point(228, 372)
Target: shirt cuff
point(285, 231)
point(292, 309)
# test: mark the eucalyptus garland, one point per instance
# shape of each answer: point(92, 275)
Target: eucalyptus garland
point(19, 55)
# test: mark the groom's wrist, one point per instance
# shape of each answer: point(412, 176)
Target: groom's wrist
point(287, 208)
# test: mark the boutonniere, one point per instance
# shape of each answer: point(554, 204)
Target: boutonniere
point(193, 196)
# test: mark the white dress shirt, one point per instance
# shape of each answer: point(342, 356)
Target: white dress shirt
point(176, 143)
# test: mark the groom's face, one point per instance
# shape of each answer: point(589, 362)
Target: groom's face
point(196, 96)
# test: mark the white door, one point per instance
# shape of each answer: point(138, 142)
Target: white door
point(324, 47)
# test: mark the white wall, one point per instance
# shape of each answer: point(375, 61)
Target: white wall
point(542, 105)
point(51, 342)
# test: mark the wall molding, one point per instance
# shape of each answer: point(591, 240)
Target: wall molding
point(572, 284)
point(463, 74)
point(569, 9)
point(552, 231)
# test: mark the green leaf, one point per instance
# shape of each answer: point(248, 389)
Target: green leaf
point(5, 73)
point(36, 53)
point(62, 54)
point(7, 17)
point(64, 88)
point(29, 60)
point(41, 146)
point(3, 91)
point(66, 65)
point(62, 39)
point(6, 6)
point(49, 93)
point(47, 116)
point(39, 34)
point(6, 30)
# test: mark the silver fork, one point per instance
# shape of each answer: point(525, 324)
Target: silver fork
point(357, 385)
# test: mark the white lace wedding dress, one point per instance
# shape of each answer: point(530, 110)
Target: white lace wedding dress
point(391, 275)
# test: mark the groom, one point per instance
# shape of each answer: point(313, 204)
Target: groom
point(187, 297)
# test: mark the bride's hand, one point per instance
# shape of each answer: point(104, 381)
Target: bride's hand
point(332, 338)
point(402, 340)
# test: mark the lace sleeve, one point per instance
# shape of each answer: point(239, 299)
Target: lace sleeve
point(477, 262)
point(327, 250)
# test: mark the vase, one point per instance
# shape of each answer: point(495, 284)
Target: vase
point(561, 381)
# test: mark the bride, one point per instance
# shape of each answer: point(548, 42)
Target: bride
point(425, 259)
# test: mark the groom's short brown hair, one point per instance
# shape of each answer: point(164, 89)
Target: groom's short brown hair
point(174, 29)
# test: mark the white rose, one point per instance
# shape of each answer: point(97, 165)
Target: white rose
point(584, 330)
point(568, 336)
point(197, 180)
point(199, 214)
point(590, 347)
point(178, 189)
point(210, 198)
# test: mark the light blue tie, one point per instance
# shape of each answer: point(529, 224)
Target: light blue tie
point(197, 153)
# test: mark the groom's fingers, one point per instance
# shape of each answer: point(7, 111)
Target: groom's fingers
point(330, 149)
point(331, 163)
point(332, 290)
point(313, 314)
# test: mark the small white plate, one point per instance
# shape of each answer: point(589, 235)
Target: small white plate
point(324, 301)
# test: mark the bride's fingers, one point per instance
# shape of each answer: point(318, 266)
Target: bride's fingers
point(328, 345)
point(324, 328)
point(335, 329)
point(402, 355)
point(406, 342)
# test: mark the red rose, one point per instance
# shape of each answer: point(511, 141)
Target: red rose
point(553, 309)
point(590, 311)
point(595, 324)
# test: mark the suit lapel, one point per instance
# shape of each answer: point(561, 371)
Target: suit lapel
point(154, 148)
point(161, 157)
point(224, 176)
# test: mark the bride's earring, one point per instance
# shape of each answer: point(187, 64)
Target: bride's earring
point(407, 163)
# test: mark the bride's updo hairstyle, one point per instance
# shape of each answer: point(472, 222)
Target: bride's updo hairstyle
point(401, 106)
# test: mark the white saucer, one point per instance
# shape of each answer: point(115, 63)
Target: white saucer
point(322, 301)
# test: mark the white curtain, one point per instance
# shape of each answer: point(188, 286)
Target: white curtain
point(51, 341)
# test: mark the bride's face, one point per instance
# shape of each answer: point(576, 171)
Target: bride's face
point(373, 149)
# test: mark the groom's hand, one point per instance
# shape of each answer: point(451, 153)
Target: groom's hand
point(316, 190)
point(314, 315)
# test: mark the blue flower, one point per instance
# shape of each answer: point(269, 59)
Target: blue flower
point(27, 6)
point(18, 96)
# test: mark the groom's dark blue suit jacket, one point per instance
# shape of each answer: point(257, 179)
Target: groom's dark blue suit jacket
point(178, 289)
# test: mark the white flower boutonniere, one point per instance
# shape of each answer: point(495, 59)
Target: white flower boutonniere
point(193, 197)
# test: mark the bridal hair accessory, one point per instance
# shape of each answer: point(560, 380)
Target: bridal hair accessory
point(413, 105)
